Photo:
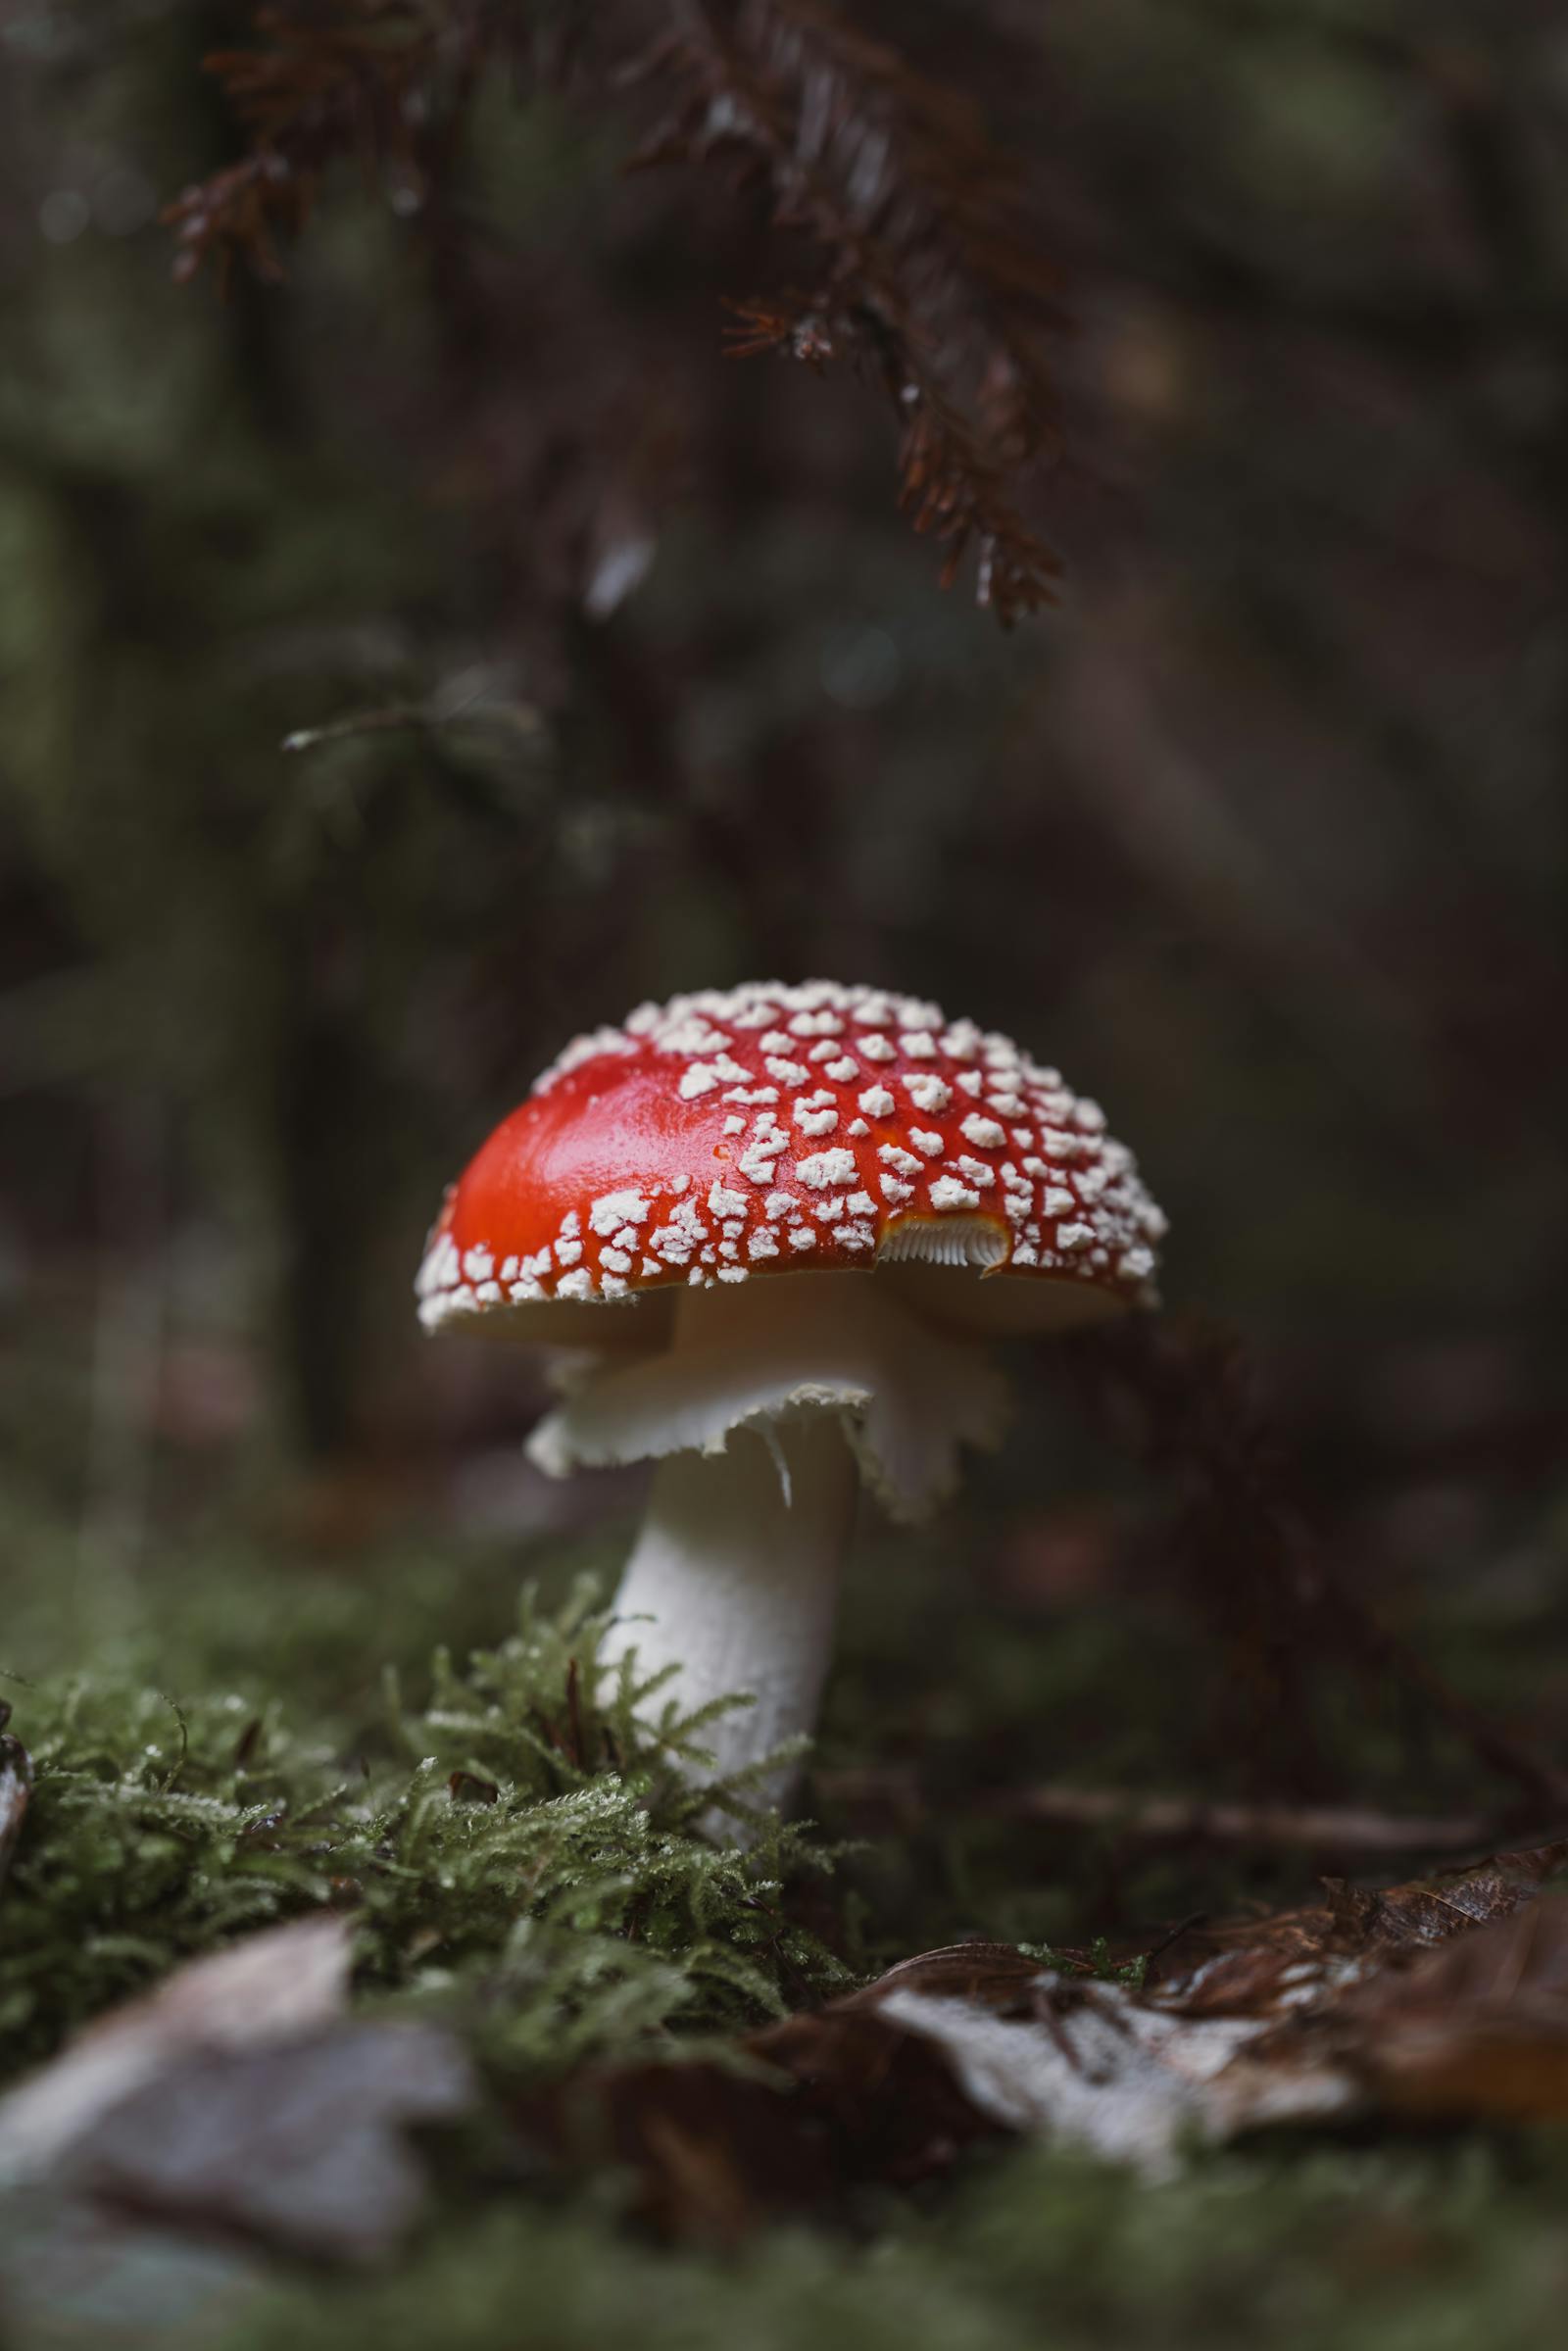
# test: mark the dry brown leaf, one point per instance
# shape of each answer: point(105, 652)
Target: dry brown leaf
point(1274, 1965)
point(1479, 2027)
point(829, 2100)
point(1446, 1996)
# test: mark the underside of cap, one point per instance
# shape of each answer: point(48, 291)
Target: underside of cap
point(946, 1292)
point(908, 1396)
point(978, 1240)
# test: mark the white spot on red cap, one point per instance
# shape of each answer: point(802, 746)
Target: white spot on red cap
point(947, 1194)
point(820, 1119)
point(975, 1169)
point(928, 1091)
point(615, 1208)
point(824, 1168)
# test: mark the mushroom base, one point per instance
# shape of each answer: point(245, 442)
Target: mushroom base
point(735, 1580)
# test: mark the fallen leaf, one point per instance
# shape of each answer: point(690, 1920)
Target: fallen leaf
point(281, 1982)
point(1479, 2027)
point(240, 2094)
point(819, 2104)
point(1277, 1964)
point(1447, 1995)
point(300, 2146)
point(1088, 2065)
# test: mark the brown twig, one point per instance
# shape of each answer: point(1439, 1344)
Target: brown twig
point(1330, 1829)
point(1314, 1828)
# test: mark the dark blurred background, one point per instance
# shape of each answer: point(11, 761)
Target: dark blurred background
point(1260, 834)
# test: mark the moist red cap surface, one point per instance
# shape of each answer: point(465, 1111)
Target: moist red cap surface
point(768, 1129)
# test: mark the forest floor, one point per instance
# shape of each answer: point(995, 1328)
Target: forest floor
point(247, 1733)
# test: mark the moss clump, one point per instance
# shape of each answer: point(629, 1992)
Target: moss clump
point(521, 1831)
point(1424, 2250)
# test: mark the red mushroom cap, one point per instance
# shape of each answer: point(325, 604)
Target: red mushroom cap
point(770, 1129)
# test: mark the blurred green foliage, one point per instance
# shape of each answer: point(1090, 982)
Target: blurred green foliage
point(1365, 2251)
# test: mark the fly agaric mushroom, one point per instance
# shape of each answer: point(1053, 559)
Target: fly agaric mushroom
point(781, 1222)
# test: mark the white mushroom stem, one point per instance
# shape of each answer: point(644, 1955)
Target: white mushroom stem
point(735, 1580)
point(772, 1399)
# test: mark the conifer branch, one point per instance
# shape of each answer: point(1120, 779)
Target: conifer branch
point(930, 284)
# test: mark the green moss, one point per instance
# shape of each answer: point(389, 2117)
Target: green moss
point(519, 1828)
point(1424, 2251)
